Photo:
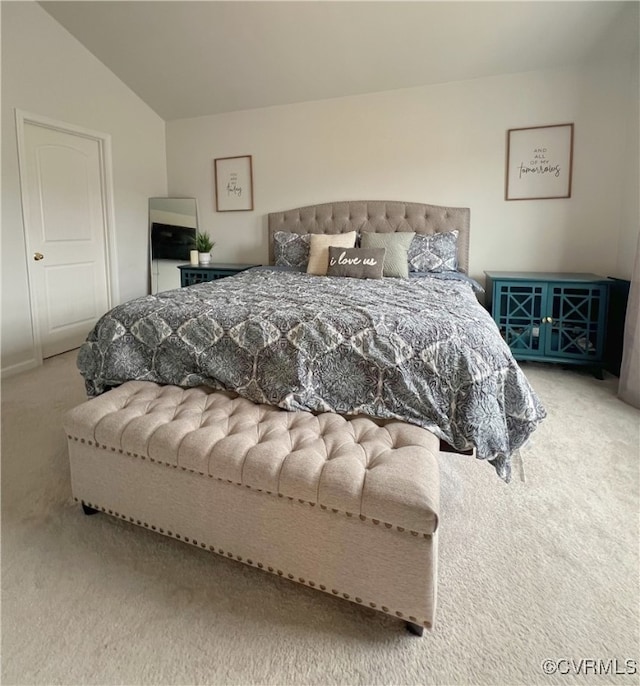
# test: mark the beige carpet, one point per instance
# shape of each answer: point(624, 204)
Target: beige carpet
point(541, 569)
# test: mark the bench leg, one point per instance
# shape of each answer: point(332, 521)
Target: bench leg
point(88, 510)
point(414, 629)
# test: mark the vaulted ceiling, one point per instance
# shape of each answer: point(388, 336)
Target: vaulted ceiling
point(188, 59)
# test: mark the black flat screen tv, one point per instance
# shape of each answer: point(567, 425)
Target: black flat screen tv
point(170, 242)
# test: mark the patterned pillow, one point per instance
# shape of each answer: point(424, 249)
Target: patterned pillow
point(396, 246)
point(291, 249)
point(437, 252)
point(359, 263)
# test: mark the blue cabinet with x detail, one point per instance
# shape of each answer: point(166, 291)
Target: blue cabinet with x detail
point(551, 317)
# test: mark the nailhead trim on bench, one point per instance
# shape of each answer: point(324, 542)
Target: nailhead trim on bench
point(257, 490)
point(250, 562)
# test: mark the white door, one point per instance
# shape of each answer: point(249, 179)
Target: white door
point(66, 229)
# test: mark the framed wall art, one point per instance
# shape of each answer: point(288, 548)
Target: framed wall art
point(539, 162)
point(233, 184)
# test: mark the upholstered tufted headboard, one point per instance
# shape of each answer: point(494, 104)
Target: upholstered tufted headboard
point(375, 215)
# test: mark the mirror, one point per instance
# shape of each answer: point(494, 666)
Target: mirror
point(173, 223)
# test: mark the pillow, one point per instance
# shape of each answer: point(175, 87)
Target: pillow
point(319, 249)
point(437, 252)
point(291, 249)
point(396, 246)
point(359, 263)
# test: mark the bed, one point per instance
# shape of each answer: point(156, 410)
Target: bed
point(419, 349)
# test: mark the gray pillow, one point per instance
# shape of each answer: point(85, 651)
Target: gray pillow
point(396, 246)
point(359, 263)
point(291, 249)
point(437, 252)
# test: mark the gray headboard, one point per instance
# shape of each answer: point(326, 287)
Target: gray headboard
point(375, 215)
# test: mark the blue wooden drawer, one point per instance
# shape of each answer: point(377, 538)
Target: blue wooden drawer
point(518, 308)
point(578, 314)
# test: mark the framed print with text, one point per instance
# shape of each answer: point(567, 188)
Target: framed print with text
point(233, 184)
point(539, 162)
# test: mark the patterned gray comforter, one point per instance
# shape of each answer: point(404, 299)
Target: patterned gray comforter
point(420, 350)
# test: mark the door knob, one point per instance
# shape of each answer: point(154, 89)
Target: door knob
point(37, 256)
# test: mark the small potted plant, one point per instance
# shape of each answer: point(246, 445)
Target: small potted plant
point(204, 244)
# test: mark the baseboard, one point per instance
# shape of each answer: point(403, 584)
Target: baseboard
point(14, 369)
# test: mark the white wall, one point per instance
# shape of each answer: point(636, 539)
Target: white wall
point(442, 144)
point(46, 71)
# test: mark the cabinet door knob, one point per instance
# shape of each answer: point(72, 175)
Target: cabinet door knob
point(38, 256)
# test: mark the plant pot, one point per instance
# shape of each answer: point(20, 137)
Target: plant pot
point(204, 257)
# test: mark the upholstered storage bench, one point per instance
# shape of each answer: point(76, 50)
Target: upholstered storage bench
point(344, 505)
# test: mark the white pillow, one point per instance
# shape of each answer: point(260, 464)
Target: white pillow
point(319, 249)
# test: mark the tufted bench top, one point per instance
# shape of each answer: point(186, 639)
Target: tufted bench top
point(386, 472)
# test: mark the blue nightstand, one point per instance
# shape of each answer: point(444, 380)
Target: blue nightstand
point(191, 274)
point(551, 317)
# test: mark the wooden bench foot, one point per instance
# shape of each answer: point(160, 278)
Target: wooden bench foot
point(88, 510)
point(414, 629)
